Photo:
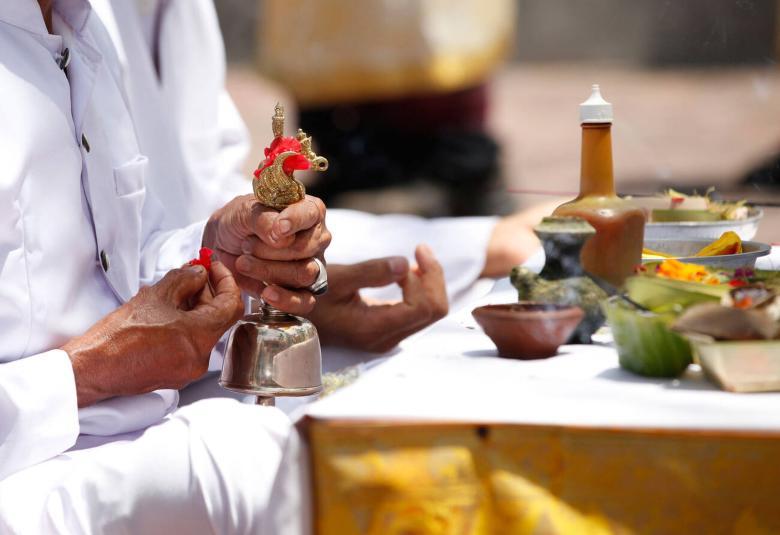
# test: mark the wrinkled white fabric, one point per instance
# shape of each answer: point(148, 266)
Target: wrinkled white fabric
point(206, 468)
point(72, 242)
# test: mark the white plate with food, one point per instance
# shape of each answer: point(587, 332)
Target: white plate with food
point(677, 216)
point(705, 230)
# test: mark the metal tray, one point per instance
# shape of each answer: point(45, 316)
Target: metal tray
point(684, 249)
point(704, 230)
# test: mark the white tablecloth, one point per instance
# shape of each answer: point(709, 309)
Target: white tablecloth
point(451, 373)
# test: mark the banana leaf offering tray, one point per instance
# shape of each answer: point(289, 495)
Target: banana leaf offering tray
point(727, 321)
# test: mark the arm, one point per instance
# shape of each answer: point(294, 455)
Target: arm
point(38, 414)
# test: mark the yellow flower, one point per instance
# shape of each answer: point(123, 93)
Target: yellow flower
point(674, 269)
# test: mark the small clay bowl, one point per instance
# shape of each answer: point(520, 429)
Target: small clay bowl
point(528, 330)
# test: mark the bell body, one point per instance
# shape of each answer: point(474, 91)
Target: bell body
point(271, 353)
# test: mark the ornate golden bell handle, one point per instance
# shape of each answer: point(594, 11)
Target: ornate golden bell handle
point(277, 189)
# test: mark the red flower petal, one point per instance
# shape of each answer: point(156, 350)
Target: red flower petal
point(204, 259)
point(278, 146)
point(297, 162)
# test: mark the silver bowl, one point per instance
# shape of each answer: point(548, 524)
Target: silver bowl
point(683, 250)
point(705, 230)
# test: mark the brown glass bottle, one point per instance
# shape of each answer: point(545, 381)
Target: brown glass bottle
point(616, 249)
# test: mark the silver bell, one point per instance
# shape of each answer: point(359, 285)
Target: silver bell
point(271, 353)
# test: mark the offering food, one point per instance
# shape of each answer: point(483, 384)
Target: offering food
point(729, 278)
point(677, 216)
point(728, 243)
point(645, 344)
point(747, 312)
point(716, 312)
point(728, 251)
point(675, 206)
point(737, 342)
point(672, 285)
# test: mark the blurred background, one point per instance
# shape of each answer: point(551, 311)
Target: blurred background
point(441, 107)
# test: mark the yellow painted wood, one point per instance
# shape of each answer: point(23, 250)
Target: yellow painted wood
point(334, 51)
point(415, 479)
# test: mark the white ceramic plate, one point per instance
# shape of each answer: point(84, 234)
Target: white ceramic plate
point(704, 230)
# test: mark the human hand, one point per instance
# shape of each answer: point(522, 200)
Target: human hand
point(271, 253)
point(161, 338)
point(344, 318)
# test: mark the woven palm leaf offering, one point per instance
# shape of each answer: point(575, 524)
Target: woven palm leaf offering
point(690, 305)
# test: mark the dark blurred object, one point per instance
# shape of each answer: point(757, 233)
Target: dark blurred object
point(649, 32)
point(767, 175)
point(239, 20)
point(715, 33)
point(433, 140)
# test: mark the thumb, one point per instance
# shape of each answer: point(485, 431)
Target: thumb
point(226, 306)
point(182, 284)
point(373, 273)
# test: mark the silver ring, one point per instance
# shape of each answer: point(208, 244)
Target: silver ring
point(320, 285)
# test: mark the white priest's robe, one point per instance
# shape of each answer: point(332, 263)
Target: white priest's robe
point(86, 220)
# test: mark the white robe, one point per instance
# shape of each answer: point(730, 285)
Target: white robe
point(87, 219)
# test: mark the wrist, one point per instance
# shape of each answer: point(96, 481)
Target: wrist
point(89, 387)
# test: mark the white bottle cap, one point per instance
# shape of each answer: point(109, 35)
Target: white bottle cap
point(595, 109)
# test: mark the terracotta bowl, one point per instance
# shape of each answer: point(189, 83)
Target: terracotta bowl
point(528, 330)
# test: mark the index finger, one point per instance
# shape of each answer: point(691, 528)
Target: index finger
point(299, 216)
point(374, 273)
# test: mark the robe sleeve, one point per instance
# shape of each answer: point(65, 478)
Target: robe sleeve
point(38, 410)
point(459, 243)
